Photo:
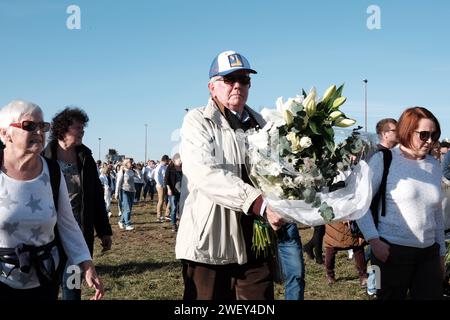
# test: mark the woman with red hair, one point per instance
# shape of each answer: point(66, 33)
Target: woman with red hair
point(408, 242)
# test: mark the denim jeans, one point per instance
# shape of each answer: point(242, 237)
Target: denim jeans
point(371, 280)
point(371, 283)
point(174, 199)
point(127, 205)
point(291, 260)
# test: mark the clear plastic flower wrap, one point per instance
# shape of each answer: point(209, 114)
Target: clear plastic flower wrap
point(298, 158)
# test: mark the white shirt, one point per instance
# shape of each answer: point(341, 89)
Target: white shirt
point(413, 202)
point(158, 175)
point(28, 215)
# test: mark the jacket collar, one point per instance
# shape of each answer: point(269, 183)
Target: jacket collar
point(213, 113)
point(50, 151)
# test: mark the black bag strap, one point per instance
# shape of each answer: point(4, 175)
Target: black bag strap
point(381, 194)
point(55, 180)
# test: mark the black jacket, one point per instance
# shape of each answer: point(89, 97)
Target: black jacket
point(171, 177)
point(94, 215)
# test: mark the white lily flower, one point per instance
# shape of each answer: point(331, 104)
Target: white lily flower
point(288, 117)
point(259, 139)
point(338, 102)
point(310, 102)
point(299, 99)
point(328, 93)
point(273, 116)
point(344, 122)
point(279, 104)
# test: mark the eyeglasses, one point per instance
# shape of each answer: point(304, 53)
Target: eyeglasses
point(31, 126)
point(230, 80)
point(426, 135)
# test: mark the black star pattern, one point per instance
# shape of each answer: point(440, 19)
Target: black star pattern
point(53, 211)
point(34, 204)
point(45, 178)
point(10, 227)
point(36, 233)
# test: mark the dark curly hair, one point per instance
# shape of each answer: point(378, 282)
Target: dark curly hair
point(64, 119)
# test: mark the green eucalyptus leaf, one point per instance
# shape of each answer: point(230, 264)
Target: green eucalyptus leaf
point(313, 127)
point(309, 195)
point(326, 212)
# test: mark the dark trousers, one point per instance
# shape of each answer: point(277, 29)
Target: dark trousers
point(316, 241)
point(149, 188)
point(40, 293)
point(410, 269)
point(137, 194)
point(251, 281)
point(358, 253)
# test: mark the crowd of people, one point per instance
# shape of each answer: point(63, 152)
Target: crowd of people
point(55, 199)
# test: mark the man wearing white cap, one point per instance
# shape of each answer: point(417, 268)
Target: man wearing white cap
point(218, 201)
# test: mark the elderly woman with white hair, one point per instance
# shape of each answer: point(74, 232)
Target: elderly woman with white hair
point(34, 223)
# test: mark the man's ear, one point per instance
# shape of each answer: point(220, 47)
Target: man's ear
point(211, 87)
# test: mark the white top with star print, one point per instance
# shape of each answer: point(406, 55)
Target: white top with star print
point(28, 215)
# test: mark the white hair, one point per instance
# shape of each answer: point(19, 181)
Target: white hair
point(15, 110)
point(215, 78)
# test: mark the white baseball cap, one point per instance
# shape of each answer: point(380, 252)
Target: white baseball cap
point(228, 62)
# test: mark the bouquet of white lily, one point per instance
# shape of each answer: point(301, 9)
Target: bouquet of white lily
point(294, 160)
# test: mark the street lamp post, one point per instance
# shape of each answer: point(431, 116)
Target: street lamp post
point(99, 148)
point(365, 105)
point(145, 158)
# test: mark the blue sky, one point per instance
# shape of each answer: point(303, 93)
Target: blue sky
point(143, 62)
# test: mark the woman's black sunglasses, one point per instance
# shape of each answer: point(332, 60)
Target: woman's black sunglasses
point(426, 135)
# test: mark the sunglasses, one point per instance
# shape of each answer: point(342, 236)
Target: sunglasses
point(426, 135)
point(244, 80)
point(31, 126)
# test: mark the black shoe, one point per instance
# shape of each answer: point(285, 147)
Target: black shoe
point(309, 251)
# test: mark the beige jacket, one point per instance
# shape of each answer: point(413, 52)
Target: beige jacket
point(213, 195)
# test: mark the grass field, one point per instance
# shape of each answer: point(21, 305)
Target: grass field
point(142, 265)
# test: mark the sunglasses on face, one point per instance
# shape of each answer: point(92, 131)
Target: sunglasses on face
point(244, 80)
point(31, 126)
point(426, 135)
